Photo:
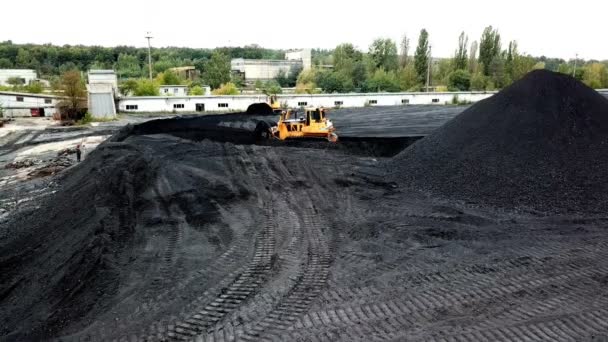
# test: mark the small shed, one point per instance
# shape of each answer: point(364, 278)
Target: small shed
point(173, 90)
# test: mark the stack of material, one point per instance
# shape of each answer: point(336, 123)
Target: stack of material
point(541, 143)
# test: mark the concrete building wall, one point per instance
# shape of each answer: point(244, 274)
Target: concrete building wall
point(103, 77)
point(101, 100)
point(263, 69)
point(304, 55)
point(21, 104)
point(173, 90)
point(27, 75)
point(241, 102)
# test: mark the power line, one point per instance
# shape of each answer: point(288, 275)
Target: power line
point(148, 37)
point(428, 71)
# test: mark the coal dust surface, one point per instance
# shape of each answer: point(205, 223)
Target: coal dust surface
point(540, 143)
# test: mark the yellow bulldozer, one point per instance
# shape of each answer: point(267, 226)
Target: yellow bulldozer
point(312, 123)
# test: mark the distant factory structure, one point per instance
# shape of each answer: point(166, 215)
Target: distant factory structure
point(102, 88)
point(14, 104)
point(25, 76)
point(186, 72)
point(251, 70)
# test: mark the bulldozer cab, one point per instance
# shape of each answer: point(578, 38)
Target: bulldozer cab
point(275, 105)
point(314, 115)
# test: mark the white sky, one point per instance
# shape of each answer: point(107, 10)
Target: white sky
point(541, 27)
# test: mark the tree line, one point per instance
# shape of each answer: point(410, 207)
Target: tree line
point(483, 64)
point(486, 63)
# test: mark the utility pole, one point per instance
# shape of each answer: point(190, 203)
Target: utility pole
point(148, 37)
point(574, 70)
point(428, 71)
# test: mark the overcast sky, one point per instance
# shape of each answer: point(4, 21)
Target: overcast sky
point(541, 27)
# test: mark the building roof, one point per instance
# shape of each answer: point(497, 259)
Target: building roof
point(18, 70)
point(183, 68)
point(102, 72)
point(13, 93)
point(173, 86)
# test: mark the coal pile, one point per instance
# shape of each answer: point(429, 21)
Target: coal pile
point(59, 259)
point(540, 143)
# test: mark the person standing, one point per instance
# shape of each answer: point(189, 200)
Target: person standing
point(78, 153)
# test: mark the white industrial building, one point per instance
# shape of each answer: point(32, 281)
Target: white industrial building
point(241, 102)
point(173, 90)
point(25, 75)
point(102, 89)
point(26, 105)
point(267, 69)
point(103, 77)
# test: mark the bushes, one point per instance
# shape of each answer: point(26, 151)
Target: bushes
point(226, 89)
point(146, 88)
point(459, 80)
point(196, 91)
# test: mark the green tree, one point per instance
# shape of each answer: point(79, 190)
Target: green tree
point(197, 90)
point(595, 75)
point(404, 53)
point(383, 53)
point(421, 58)
point(128, 87)
point(128, 66)
point(489, 48)
point(5, 63)
point(564, 68)
point(442, 71)
point(216, 71)
point(23, 59)
point(307, 76)
point(407, 78)
point(459, 80)
point(226, 89)
point(34, 88)
point(74, 93)
point(473, 58)
point(146, 87)
point(478, 81)
point(497, 71)
point(168, 77)
point(281, 78)
point(521, 66)
point(345, 55)
point(383, 81)
point(334, 82)
point(271, 88)
point(460, 58)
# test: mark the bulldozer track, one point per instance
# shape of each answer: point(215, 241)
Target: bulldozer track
point(306, 289)
point(213, 309)
point(423, 307)
point(230, 298)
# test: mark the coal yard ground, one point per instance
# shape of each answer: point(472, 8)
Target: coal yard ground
point(190, 229)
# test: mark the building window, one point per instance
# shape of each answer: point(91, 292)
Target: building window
point(405, 101)
point(371, 102)
point(200, 107)
point(435, 100)
point(178, 106)
point(175, 90)
point(302, 104)
point(222, 105)
point(19, 98)
point(48, 101)
point(338, 103)
point(166, 90)
point(131, 107)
